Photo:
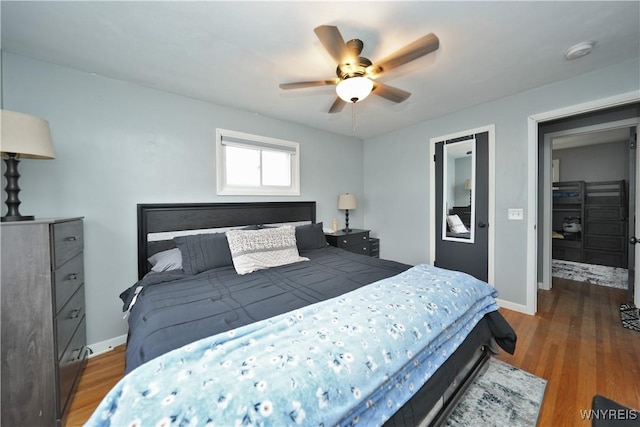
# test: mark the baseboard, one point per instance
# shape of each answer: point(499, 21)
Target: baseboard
point(106, 345)
point(513, 306)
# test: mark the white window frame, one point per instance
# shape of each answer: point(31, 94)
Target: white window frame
point(226, 137)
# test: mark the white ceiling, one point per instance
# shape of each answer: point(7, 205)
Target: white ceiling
point(236, 53)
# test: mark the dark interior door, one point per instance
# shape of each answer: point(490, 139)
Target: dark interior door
point(472, 258)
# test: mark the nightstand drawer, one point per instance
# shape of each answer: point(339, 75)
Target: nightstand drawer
point(363, 248)
point(68, 279)
point(374, 247)
point(68, 241)
point(353, 239)
point(68, 320)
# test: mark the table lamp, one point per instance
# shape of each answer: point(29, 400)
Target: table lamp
point(21, 136)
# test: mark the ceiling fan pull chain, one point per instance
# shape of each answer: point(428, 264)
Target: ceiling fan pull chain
point(353, 116)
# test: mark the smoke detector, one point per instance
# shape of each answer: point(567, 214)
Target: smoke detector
point(579, 50)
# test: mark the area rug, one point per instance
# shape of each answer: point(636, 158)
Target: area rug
point(602, 275)
point(502, 395)
point(630, 317)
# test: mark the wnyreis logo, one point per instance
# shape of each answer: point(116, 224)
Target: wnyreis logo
point(609, 414)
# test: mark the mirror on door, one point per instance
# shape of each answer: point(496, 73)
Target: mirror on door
point(459, 168)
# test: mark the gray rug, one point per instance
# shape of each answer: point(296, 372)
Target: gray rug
point(602, 275)
point(502, 395)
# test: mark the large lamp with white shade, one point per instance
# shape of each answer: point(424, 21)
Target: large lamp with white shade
point(23, 136)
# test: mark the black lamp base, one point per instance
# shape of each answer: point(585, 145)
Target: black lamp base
point(346, 228)
point(12, 189)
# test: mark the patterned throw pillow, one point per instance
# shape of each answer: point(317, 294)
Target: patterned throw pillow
point(253, 250)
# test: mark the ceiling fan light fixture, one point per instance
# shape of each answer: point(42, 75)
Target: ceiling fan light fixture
point(354, 89)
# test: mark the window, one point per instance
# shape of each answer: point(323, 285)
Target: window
point(256, 165)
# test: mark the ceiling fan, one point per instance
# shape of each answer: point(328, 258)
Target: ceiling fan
point(356, 74)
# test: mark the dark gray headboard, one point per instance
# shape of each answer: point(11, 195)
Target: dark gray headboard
point(167, 217)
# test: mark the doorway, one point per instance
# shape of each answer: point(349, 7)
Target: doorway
point(608, 117)
point(590, 209)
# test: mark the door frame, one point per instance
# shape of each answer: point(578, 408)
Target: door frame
point(532, 200)
point(491, 130)
point(547, 202)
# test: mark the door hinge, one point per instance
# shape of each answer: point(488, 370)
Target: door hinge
point(434, 157)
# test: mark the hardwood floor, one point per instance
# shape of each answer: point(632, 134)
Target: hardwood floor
point(575, 342)
point(100, 375)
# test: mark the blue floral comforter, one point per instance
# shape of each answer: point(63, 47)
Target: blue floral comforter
point(354, 359)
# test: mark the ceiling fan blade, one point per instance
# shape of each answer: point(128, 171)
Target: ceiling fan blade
point(300, 85)
point(389, 92)
point(415, 50)
point(332, 41)
point(337, 106)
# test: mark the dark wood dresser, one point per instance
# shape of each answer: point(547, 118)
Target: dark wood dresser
point(353, 241)
point(42, 321)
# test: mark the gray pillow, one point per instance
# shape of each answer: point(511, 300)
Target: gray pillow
point(201, 252)
point(170, 259)
point(310, 236)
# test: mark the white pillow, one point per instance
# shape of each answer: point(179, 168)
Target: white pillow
point(455, 224)
point(253, 250)
point(170, 259)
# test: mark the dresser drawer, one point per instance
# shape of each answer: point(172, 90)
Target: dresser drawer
point(68, 279)
point(68, 241)
point(612, 228)
point(70, 364)
point(68, 320)
point(608, 243)
point(353, 239)
point(612, 259)
point(612, 213)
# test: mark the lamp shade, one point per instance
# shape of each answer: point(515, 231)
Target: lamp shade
point(347, 201)
point(25, 135)
point(467, 184)
point(354, 89)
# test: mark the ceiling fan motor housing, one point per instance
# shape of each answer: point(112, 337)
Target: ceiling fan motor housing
point(353, 68)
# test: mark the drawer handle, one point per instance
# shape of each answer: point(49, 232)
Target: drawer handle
point(344, 241)
point(74, 314)
point(72, 276)
point(72, 238)
point(364, 248)
point(364, 237)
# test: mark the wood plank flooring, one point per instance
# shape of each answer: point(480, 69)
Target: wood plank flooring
point(575, 342)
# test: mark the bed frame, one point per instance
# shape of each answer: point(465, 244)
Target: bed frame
point(167, 217)
point(171, 217)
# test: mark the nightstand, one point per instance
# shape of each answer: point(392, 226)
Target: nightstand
point(353, 241)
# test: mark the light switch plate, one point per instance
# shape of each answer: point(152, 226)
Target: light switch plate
point(516, 214)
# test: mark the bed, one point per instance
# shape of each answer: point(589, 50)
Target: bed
point(247, 335)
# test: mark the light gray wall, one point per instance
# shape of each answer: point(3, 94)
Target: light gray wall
point(118, 144)
point(396, 171)
point(599, 162)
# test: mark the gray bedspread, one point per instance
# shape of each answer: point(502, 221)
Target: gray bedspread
point(174, 309)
